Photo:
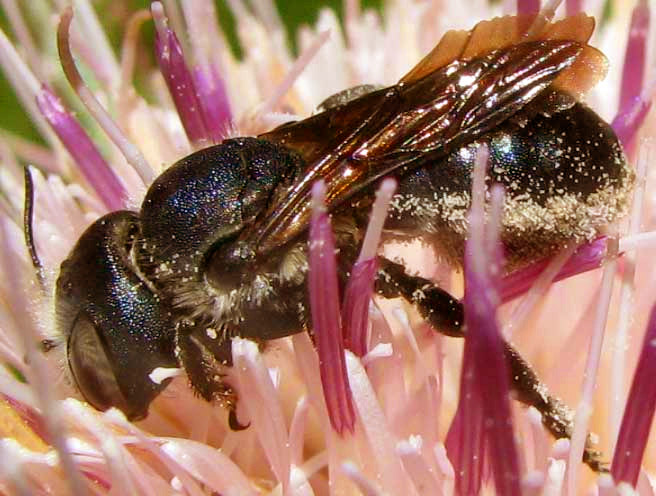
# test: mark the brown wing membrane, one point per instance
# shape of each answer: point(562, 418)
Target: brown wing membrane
point(405, 126)
point(499, 33)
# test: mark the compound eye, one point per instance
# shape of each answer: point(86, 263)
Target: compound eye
point(91, 367)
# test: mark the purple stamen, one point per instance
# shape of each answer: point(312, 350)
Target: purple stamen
point(587, 257)
point(573, 7)
point(361, 283)
point(486, 358)
point(464, 441)
point(481, 433)
point(356, 305)
point(326, 319)
point(632, 107)
point(628, 120)
point(92, 165)
point(214, 102)
point(97, 111)
point(528, 6)
point(638, 413)
point(179, 80)
point(635, 56)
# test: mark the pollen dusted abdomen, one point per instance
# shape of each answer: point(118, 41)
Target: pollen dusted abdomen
point(565, 177)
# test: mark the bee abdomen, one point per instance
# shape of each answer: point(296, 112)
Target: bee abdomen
point(565, 177)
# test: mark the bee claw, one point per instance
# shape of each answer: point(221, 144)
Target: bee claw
point(593, 459)
point(234, 423)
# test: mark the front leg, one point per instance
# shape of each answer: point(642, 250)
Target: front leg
point(446, 314)
point(205, 352)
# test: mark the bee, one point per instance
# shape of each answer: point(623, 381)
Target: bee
point(219, 246)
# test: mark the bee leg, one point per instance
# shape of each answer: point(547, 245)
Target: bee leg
point(204, 353)
point(446, 315)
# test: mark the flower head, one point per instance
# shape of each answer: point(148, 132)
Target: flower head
point(364, 404)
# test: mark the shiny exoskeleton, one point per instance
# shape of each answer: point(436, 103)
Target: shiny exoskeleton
point(219, 247)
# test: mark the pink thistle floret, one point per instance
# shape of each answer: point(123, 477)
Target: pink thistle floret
point(214, 100)
point(634, 106)
point(179, 79)
point(589, 256)
point(638, 413)
point(357, 298)
point(361, 282)
point(263, 406)
point(525, 7)
point(481, 433)
point(635, 55)
point(629, 119)
point(326, 317)
point(573, 7)
point(92, 165)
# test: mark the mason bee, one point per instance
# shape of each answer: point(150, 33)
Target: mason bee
point(219, 246)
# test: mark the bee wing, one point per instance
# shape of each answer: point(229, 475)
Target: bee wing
point(406, 125)
point(499, 33)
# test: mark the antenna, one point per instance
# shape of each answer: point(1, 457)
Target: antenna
point(28, 213)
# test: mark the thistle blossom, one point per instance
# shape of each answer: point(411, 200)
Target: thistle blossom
point(90, 162)
point(373, 405)
point(198, 95)
point(639, 413)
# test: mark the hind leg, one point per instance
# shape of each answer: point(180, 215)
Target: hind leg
point(446, 315)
